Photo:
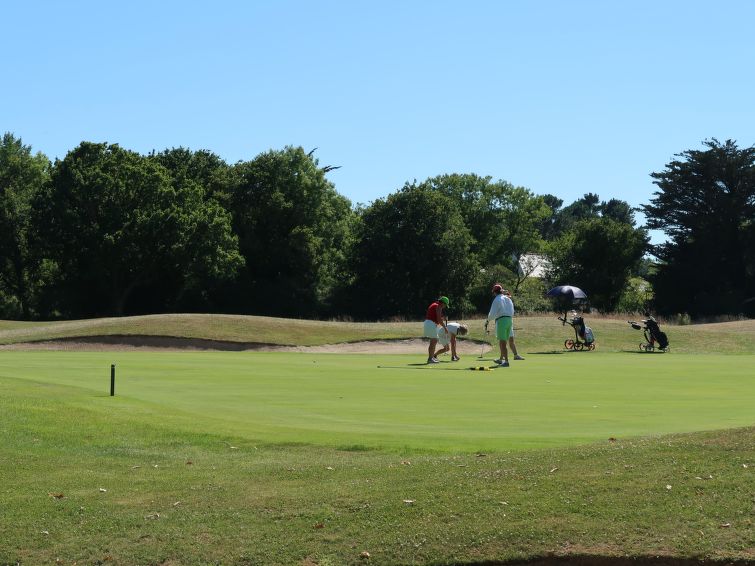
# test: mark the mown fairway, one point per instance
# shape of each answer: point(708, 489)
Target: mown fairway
point(396, 402)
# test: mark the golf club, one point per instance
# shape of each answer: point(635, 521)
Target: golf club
point(482, 346)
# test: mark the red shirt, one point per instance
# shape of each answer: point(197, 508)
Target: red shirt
point(433, 313)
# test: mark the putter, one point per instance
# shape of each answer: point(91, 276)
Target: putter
point(482, 346)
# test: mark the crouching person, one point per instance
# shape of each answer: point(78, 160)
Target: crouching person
point(449, 339)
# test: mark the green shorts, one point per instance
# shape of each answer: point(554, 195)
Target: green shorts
point(503, 327)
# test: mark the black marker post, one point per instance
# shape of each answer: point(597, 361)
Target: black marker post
point(112, 380)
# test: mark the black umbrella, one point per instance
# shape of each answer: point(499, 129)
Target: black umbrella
point(565, 296)
point(567, 292)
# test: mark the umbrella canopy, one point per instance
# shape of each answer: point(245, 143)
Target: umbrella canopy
point(567, 292)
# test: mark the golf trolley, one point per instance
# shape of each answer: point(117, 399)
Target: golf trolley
point(583, 336)
point(654, 337)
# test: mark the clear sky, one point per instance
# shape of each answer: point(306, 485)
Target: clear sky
point(561, 97)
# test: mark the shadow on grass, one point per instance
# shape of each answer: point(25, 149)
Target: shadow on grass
point(547, 353)
point(642, 353)
point(439, 367)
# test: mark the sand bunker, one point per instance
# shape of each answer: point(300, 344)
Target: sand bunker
point(117, 343)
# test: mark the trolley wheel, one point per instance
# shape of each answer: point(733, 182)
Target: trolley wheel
point(592, 346)
point(569, 344)
point(642, 346)
point(578, 346)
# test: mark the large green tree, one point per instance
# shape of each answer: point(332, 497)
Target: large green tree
point(597, 255)
point(294, 230)
point(503, 220)
point(589, 206)
point(412, 247)
point(203, 167)
point(22, 175)
point(199, 172)
point(114, 222)
point(706, 205)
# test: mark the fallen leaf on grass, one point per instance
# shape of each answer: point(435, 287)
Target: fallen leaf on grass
point(364, 555)
point(153, 516)
point(409, 501)
point(103, 490)
point(724, 525)
point(176, 504)
point(45, 532)
point(553, 470)
point(406, 463)
point(612, 439)
point(329, 468)
point(56, 495)
point(319, 525)
point(668, 486)
point(135, 467)
point(189, 462)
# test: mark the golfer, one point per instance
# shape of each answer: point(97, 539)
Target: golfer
point(434, 322)
point(447, 339)
point(501, 311)
point(512, 344)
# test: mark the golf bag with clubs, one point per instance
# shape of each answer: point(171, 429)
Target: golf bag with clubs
point(654, 337)
point(584, 339)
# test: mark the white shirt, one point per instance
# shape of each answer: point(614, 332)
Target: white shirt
point(502, 306)
point(453, 328)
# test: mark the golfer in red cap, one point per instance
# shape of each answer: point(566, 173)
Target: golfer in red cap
point(501, 311)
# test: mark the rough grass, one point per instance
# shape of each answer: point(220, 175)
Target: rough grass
point(537, 333)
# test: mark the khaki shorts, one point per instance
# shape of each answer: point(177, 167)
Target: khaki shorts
point(430, 330)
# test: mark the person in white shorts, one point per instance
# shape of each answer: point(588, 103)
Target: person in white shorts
point(435, 322)
point(449, 338)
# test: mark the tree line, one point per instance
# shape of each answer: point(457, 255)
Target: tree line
point(106, 231)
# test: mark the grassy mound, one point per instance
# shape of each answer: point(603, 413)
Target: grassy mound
point(541, 333)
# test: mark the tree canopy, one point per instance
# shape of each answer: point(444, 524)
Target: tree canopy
point(412, 247)
point(113, 221)
point(705, 203)
point(22, 176)
point(109, 231)
point(293, 228)
point(598, 255)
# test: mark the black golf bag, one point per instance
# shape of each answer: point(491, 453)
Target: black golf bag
point(653, 334)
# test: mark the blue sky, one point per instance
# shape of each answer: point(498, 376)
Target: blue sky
point(562, 97)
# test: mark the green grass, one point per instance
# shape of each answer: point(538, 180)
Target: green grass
point(295, 458)
point(232, 328)
point(395, 402)
point(536, 333)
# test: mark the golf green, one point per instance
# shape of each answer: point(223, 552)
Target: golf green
point(395, 402)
